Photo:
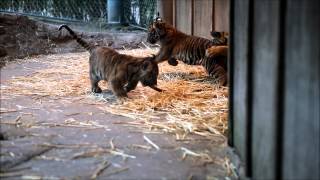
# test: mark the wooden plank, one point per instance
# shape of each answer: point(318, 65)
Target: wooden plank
point(240, 76)
point(165, 8)
point(202, 18)
point(301, 119)
point(174, 7)
point(183, 16)
point(221, 15)
point(266, 31)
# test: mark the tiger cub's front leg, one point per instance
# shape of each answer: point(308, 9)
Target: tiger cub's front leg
point(94, 84)
point(173, 61)
point(118, 89)
point(131, 85)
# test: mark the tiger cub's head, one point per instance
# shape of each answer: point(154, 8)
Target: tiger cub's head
point(159, 30)
point(149, 72)
point(219, 38)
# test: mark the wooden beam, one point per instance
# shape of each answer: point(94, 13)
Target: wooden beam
point(240, 96)
point(265, 58)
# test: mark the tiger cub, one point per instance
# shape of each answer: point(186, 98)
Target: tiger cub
point(191, 50)
point(122, 72)
point(219, 69)
point(219, 38)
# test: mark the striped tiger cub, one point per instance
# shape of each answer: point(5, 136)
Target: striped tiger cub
point(122, 72)
point(191, 50)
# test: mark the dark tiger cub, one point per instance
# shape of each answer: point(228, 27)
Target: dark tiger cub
point(122, 72)
point(219, 69)
point(189, 49)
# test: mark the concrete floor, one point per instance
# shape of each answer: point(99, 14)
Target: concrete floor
point(40, 148)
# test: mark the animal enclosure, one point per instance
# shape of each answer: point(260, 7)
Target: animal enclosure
point(96, 13)
point(192, 102)
point(264, 124)
point(50, 120)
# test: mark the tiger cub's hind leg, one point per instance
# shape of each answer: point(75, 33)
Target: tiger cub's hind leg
point(220, 75)
point(118, 88)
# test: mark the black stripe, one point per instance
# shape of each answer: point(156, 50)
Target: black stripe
point(280, 90)
point(250, 91)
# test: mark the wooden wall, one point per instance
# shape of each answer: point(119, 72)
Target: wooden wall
point(221, 13)
point(274, 63)
point(203, 18)
point(183, 16)
point(165, 8)
point(196, 17)
point(275, 79)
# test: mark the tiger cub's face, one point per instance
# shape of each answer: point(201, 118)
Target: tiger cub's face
point(219, 38)
point(158, 30)
point(154, 30)
point(150, 72)
point(153, 36)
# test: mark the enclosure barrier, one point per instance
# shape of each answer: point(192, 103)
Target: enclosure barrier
point(135, 12)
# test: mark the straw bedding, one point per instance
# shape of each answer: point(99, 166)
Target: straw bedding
point(191, 104)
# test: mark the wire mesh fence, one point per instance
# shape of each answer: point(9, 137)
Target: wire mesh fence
point(135, 12)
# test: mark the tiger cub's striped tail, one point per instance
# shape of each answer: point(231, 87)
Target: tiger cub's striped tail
point(83, 43)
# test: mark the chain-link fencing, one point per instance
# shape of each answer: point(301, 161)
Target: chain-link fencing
point(125, 12)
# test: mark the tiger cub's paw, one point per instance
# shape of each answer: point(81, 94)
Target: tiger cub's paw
point(96, 90)
point(173, 62)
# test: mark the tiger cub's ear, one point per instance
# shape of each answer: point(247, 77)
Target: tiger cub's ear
point(215, 34)
point(158, 18)
point(153, 58)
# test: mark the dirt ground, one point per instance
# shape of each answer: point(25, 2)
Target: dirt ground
point(53, 130)
point(52, 127)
